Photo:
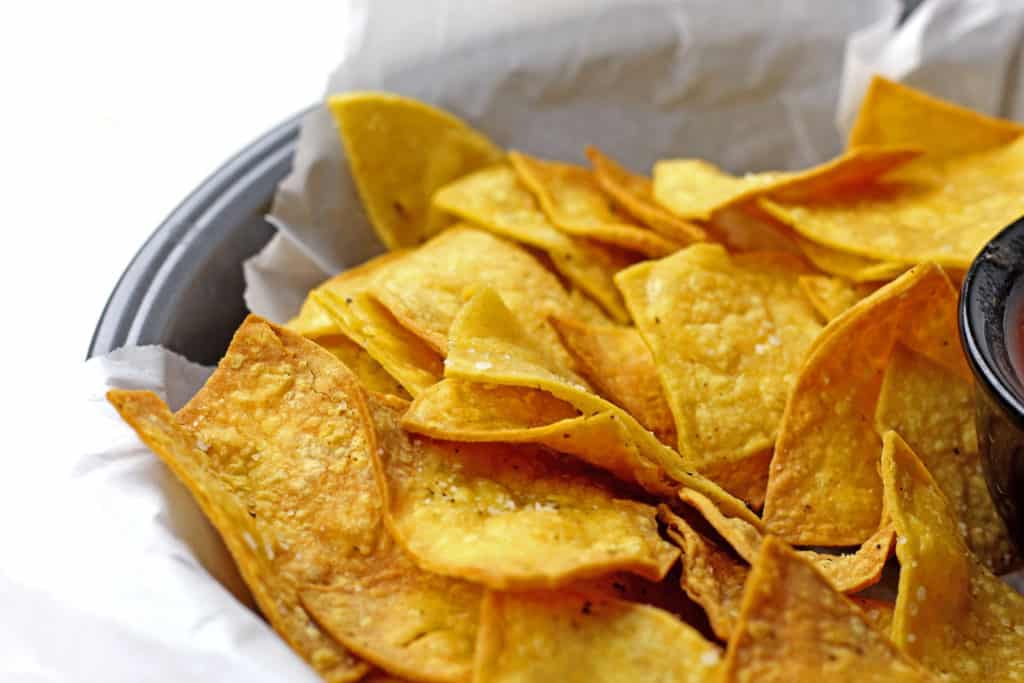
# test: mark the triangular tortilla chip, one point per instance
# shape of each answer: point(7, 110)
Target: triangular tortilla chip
point(951, 613)
point(616, 361)
point(400, 151)
point(932, 409)
point(794, 626)
point(508, 516)
point(896, 114)
point(728, 335)
point(489, 346)
point(573, 201)
point(696, 189)
point(494, 199)
point(635, 194)
point(824, 487)
point(587, 638)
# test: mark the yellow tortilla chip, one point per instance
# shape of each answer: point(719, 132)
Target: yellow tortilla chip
point(823, 486)
point(371, 374)
point(830, 296)
point(847, 573)
point(509, 516)
point(586, 638)
point(728, 335)
point(272, 576)
point(635, 194)
point(696, 189)
point(573, 201)
point(896, 114)
point(400, 151)
point(941, 209)
point(711, 576)
point(951, 614)
point(426, 290)
point(877, 612)
point(794, 626)
point(849, 266)
point(465, 411)
point(746, 479)
point(494, 199)
point(932, 409)
point(489, 346)
point(616, 361)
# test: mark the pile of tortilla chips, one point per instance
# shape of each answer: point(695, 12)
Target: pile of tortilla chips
point(585, 425)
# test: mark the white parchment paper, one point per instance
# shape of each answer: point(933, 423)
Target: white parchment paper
point(108, 572)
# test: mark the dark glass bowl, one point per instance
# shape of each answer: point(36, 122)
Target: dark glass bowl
point(990, 301)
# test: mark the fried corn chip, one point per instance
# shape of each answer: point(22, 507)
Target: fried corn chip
point(728, 335)
point(509, 516)
point(895, 114)
point(573, 201)
point(635, 194)
point(877, 612)
point(426, 291)
point(696, 189)
point(371, 374)
point(489, 346)
point(794, 626)
point(849, 266)
point(272, 576)
point(494, 199)
point(951, 614)
point(830, 296)
point(400, 151)
point(932, 409)
point(747, 479)
point(941, 209)
point(616, 361)
point(823, 487)
point(570, 637)
point(847, 573)
point(711, 576)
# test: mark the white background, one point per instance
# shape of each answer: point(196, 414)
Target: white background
point(110, 113)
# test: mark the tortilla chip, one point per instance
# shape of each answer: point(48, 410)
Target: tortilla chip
point(711, 576)
point(465, 411)
point(635, 194)
point(489, 346)
point(748, 228)
point(400, 151)
point(696, 189)
point(586, 638)
point(371, 374)
point(877, 612)
point(794, 626)
point(849, 266)
point(573, 201)
point(942, 209)
point(728, 335)
point(823, 486)
point(494, 199)
point(830, 296)
point(847, 573)
point(616, 361)
point(896, 114)
point(932, 409)
point(952, 614)
point(509, 516)
point(746, 479)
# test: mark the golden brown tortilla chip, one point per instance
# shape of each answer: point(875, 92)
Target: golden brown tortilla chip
point(952, 614)
point(932, 409)
point(846, 265)
point(371, 374)
point(794, 626)
point(509, 516)
point(635, 194)
point(728, 335)
point(400, 151)
point(823, 487)
point(830, 296)
point(573, 201)
point(616, 361)
point(696, 189)
point(896, 114)
point(489, 346)
point(711, 576)
point(877, 612)
point(587, 638)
